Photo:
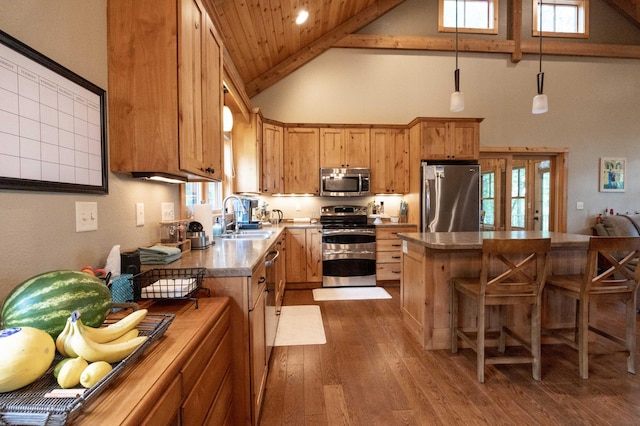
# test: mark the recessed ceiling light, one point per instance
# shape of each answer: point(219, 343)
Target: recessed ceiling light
point(302, 17)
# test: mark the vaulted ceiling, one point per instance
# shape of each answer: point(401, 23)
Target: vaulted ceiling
point(265, 45)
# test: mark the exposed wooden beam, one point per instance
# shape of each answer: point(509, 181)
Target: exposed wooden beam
point(515, 28)
point(319, 46)
point(550, 47)
point(628, 8)
point(363, 41)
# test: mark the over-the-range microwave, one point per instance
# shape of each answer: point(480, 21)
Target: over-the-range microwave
point(345, 182)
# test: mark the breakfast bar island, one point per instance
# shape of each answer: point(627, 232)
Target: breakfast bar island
point(429, 260)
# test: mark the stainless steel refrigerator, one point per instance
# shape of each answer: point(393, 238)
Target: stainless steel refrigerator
point(450, 197)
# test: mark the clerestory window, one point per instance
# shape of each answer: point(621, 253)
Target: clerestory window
point(474, 16)
point(561, 18)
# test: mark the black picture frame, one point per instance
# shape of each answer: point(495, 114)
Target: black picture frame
point(38, 60)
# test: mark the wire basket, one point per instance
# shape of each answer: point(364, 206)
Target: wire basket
point(30, 406)
point(180, 283)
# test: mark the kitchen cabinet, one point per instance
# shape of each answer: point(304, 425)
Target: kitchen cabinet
point(344, 147)
point(249, 361)
point(183, 378)
point(272, 158)
point(302, 160)
point(413, 287)
point(448, 139)
point(304, 257)
point(389, 252)
point(281, 269)
point(389, 161)
point(247, 153)
point(165, 89)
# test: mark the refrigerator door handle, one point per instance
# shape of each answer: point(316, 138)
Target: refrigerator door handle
point(426, 213)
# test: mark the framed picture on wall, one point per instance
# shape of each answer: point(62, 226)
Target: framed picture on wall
point(613, 174)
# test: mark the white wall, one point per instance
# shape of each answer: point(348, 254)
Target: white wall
point(38, 229)
point(593, 107)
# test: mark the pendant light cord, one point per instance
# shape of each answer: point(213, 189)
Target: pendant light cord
point(456, 34)
point(540, 33)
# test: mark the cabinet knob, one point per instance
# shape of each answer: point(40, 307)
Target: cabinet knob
point(210, 170)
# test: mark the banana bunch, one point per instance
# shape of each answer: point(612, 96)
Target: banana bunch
point(110, 344)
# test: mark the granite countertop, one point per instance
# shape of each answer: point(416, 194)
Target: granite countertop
point(227, 257)
point(473, 240)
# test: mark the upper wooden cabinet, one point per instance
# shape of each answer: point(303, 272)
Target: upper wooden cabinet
point(344, 147)
point(247, 153)
point(389, 161)
point(272, 158)
point(449, 139)
point(165, 88)
point(301, 160)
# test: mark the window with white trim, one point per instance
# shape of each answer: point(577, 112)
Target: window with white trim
point(474, 16)
point(561, 18)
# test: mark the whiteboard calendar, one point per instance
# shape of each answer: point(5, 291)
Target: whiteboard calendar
point(52, 124)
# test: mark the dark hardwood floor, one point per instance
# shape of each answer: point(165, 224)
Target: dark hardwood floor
point(372, 372)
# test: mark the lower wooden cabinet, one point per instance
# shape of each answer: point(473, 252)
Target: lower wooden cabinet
point(389, 252)
point(249, 361)
point(412, 287)
point(304, 256)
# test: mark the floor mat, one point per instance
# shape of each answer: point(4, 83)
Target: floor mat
point(300, 325)
point(350, 293)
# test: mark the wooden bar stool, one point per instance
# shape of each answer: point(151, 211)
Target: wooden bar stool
point(615, 276)
point(512, 272)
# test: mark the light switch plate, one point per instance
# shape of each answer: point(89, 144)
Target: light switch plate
point(167, 211)
point(86, 216)
point(139, 214)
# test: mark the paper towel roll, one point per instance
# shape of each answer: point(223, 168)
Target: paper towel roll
point(202, 213)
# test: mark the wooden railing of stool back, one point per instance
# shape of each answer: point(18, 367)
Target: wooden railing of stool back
point(611, 271)
point(513, 272)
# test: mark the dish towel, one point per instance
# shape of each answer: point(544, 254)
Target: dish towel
point(159, 255)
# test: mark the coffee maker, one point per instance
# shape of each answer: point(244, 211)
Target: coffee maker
point(246, 217)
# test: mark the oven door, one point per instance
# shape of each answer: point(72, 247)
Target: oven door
point(348, 258)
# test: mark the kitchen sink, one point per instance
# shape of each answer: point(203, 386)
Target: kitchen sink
point(249, 235)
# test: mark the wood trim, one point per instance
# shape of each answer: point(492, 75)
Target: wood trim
point(319, 46)
point(364, 41)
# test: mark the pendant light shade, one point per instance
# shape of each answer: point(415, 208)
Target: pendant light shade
point(227, 119)
point(457, 97)
point(540, 102)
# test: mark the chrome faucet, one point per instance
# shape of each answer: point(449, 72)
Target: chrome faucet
point(224, 218)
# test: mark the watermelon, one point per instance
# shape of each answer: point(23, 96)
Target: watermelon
point(47, 300)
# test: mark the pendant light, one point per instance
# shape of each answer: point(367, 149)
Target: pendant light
point(457, 97)
point(227, 119)
point(540, 101)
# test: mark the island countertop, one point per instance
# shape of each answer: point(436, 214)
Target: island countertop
point(473, 240)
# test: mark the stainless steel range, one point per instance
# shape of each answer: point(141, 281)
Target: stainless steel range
point(348, 247)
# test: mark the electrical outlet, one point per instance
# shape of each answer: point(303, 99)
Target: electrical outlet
point(86, 216)
point(167, 211)
point(139, 214)
point(298, 207)
point(579, 205)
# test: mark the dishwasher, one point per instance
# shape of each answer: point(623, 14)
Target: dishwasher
point(272, 310)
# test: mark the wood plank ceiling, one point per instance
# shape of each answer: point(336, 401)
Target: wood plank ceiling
point(265, 45)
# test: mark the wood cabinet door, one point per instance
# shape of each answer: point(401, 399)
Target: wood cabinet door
point(389, 161)
point(258, 348)
point(314, 255)
point(272, 159)
point(212, 103)
point(247, 154)
point(466, 141)
point(332, 148)
point(190, 26)
point(296, 258)
point(302, 160)
point(434, 140)
point(358, 147)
